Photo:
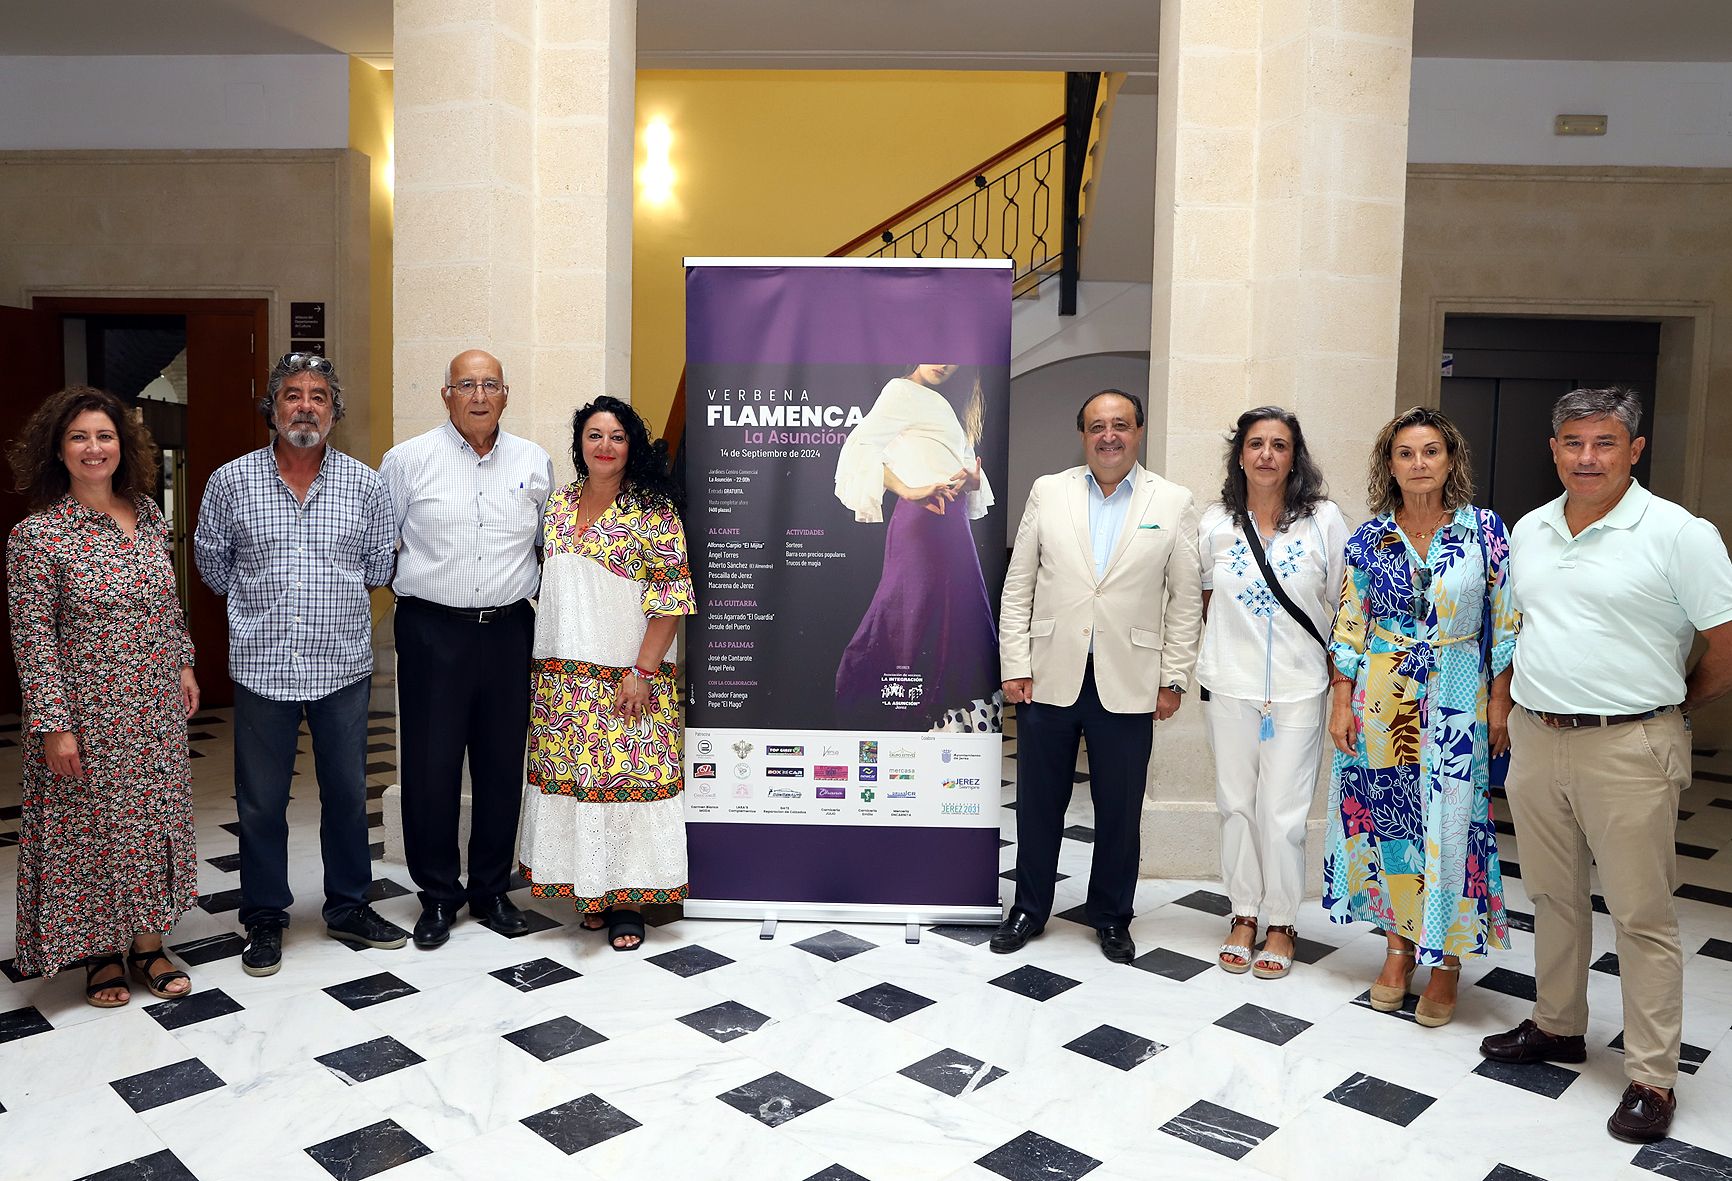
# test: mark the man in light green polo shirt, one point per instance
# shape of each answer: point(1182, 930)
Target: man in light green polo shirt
point(1613, 584)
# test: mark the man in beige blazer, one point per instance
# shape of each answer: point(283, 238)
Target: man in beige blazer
point(1098, 632)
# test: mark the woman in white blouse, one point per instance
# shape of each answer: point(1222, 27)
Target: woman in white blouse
point(1266, 675)
point(927, 649)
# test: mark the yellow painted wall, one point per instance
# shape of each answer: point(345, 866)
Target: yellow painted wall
point(370, 109)
point(797, 162)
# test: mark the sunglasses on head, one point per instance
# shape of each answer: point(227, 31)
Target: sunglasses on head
point(309, 361)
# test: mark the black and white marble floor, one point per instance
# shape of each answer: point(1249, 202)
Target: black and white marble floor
point(828, 1052)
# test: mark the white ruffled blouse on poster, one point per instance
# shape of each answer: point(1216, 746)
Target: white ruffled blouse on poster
point(913, 431)
point(1252, 648)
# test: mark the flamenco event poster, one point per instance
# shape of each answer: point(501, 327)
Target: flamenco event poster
point(846, 443)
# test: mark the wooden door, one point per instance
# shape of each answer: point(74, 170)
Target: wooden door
point(30, 341)
point(222, 423)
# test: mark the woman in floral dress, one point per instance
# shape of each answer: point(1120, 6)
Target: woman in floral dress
point(106, 857)
point(603, 822)
point(1420, 704)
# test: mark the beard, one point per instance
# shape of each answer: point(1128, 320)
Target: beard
point(303, 434)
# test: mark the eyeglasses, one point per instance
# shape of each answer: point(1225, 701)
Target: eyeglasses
point(468, 388)
point(308, 361)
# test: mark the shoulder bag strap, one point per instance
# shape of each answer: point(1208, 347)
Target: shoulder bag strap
point(1256, 543)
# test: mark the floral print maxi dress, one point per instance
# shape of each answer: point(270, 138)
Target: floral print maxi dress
point(1411, 845)
point(99, 641)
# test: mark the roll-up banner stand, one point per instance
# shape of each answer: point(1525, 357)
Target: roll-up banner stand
point(846, 443)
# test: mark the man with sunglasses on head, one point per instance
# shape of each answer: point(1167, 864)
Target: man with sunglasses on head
point(467, 498)
point(294, 534)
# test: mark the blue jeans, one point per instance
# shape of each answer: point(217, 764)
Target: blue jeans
point(265, 733)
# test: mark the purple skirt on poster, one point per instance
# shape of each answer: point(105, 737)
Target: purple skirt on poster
point(928, 642)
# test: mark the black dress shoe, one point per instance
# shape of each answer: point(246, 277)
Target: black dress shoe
point(498, 914)
point(1527, 1042)
point(1015, 931)
point(434, 927)
point(1644, 1114)
point(1116, 945)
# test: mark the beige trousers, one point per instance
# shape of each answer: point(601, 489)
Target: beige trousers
point(1611, 793)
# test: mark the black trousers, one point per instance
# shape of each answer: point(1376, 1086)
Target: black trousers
point(462, 688)
point(1047, 737)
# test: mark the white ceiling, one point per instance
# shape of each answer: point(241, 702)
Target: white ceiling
point(996, 34)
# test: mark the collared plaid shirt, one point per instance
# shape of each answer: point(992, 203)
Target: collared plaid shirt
point(296, 575)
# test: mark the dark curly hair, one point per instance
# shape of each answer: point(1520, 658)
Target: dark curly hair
point(1383, 494)
point(647, 483)
point(40, 472)
point(1305, 488)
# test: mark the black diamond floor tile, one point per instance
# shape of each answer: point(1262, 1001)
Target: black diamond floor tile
point(1385, 1100)
point(368, 1151)
point(1719, 949)
point(1009, 875)
point(836, 1173)
point(1520, 920)
point(158, 1166)
point(835, 945)
point(23, 1022)
point(726, 1021)
point(1219, 1129)
point(1607, 963)
point(1510, 1173)
point(1263, 1024)
point(166, 1084)
point(228, 862)
point(1080, 832)
point(203, 1005)
point(1308, 951)
point(209, 949)
point(1704, 894)
point(554, 1038)
point(1115, 1047)
point(369, 1060)
point(528, 977)
point(9, 968)
point(967, 933)
point(380, 767)
point(1408, 1004)
point(1077, 914)
point(887, 1002)
point(382, 888)
point(220, 902)
point(537, 922)
point(952, 1072)
point(233, 828)
point(1035, 983)
point(774, 1099)
point(690, 960)
point(1683, 1162)
point(1206, 901)
point(1033, 1157)
point(375, 748)
point(1541, 1078)
point(1173, 965)
point(1510, 869)
point(11, 811)
point(1690, 1058)
point(370, 990)
point(1699, 852)
point(580, 1123)
point(1516, 984)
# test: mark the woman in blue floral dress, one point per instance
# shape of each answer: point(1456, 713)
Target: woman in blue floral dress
point(1420, 704)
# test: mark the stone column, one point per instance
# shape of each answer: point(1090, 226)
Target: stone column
point(514, 143)
point(1280, 179)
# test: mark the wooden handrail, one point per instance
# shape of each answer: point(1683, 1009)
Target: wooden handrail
point(979, 169)
point(676, 424)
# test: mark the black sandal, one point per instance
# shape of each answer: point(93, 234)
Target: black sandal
point(139, 961)
point(98, 963)
point(623, 924)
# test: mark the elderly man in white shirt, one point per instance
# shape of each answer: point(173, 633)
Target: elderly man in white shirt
point(1613, 584)
point(468, 497)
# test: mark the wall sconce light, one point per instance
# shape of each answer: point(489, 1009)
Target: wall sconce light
point(1579, 125)
point(656, 177)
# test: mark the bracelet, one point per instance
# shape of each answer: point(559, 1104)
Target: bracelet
point(643, 673)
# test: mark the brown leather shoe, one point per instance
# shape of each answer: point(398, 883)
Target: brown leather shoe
point(1527, 1042)
point(1644, 1114)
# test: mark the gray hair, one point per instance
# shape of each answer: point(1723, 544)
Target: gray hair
point(286, 367)
point(1616, 401)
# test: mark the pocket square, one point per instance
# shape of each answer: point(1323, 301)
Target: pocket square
point(1148, 526)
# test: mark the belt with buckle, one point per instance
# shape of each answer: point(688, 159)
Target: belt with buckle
point(468, 614)
point(1580, 721)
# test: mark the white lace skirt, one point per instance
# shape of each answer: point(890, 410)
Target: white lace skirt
point(601, 854)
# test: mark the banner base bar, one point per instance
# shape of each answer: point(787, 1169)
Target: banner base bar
point(911, 916)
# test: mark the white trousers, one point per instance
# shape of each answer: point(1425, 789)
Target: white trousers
point(1264, 791)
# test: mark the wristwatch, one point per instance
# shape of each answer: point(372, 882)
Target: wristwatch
point(1177, 688)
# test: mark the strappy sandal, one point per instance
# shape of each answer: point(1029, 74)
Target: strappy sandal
point(1430, 1013)
point(622, 924)
point(1283, 964)
point(1242, 951)
point(139, 964)
point(1387, 998)
point(99, 963)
